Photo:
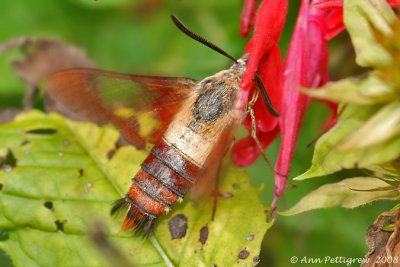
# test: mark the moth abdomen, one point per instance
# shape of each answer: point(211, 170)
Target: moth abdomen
point(166, 175)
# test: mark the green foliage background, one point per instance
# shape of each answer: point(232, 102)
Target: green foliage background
point(139, 37)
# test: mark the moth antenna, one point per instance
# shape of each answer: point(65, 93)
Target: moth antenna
point(267, 100)
point(214, 47)
point(200, 39)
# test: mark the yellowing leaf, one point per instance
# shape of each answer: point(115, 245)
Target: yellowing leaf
point(342, 194)
point(371, 90)
point(329, 158)
point(361, 17)
point(68, 174)
point(381, 127)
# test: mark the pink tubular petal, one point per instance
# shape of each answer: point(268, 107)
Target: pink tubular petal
point(318, 57)
point(334, 23)
point(247, 17)
point(305, 65)
point(334, 19)
point(327, 4)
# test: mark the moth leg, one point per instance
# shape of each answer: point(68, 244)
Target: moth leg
point(250, 110)
point(31, 91)
point(215, 193)
point(254, 136)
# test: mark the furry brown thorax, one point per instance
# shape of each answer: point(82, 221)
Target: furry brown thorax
point(206, 113)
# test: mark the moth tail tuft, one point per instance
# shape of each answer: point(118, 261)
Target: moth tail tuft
point(135, 218)
point(139, 221)
point(119, 206)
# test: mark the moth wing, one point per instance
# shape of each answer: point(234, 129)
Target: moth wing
point(140, 106)
point(212, 167)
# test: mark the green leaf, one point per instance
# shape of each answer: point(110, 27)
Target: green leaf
point(381, 127)
point(329, 157)
point(371, 90)
point(63, 186)
point(347, 193)
point(361, 18)
point(389, 170)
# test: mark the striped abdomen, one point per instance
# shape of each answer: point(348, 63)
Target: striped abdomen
point(200, 131)
point(166, 175)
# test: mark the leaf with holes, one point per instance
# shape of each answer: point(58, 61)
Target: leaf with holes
point(59, 179)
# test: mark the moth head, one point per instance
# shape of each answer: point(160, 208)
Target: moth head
point(240, 64)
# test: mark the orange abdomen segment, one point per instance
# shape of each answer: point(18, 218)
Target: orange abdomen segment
point(165, 176)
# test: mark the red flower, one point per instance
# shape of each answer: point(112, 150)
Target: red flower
point(265, 57)
point(269, 24)
point(245, 152)
point(247, 17)
point(334, 17)
point(305, 65)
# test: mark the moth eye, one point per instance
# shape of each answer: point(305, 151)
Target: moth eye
point(207, 82)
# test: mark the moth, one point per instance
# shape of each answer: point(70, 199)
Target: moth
point(192, 125)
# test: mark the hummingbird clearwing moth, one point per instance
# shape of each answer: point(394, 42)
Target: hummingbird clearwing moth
point(194, 123)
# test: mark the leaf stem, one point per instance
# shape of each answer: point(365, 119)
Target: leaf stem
point(161, 251)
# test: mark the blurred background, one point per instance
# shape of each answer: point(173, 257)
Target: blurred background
point(139, 37)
